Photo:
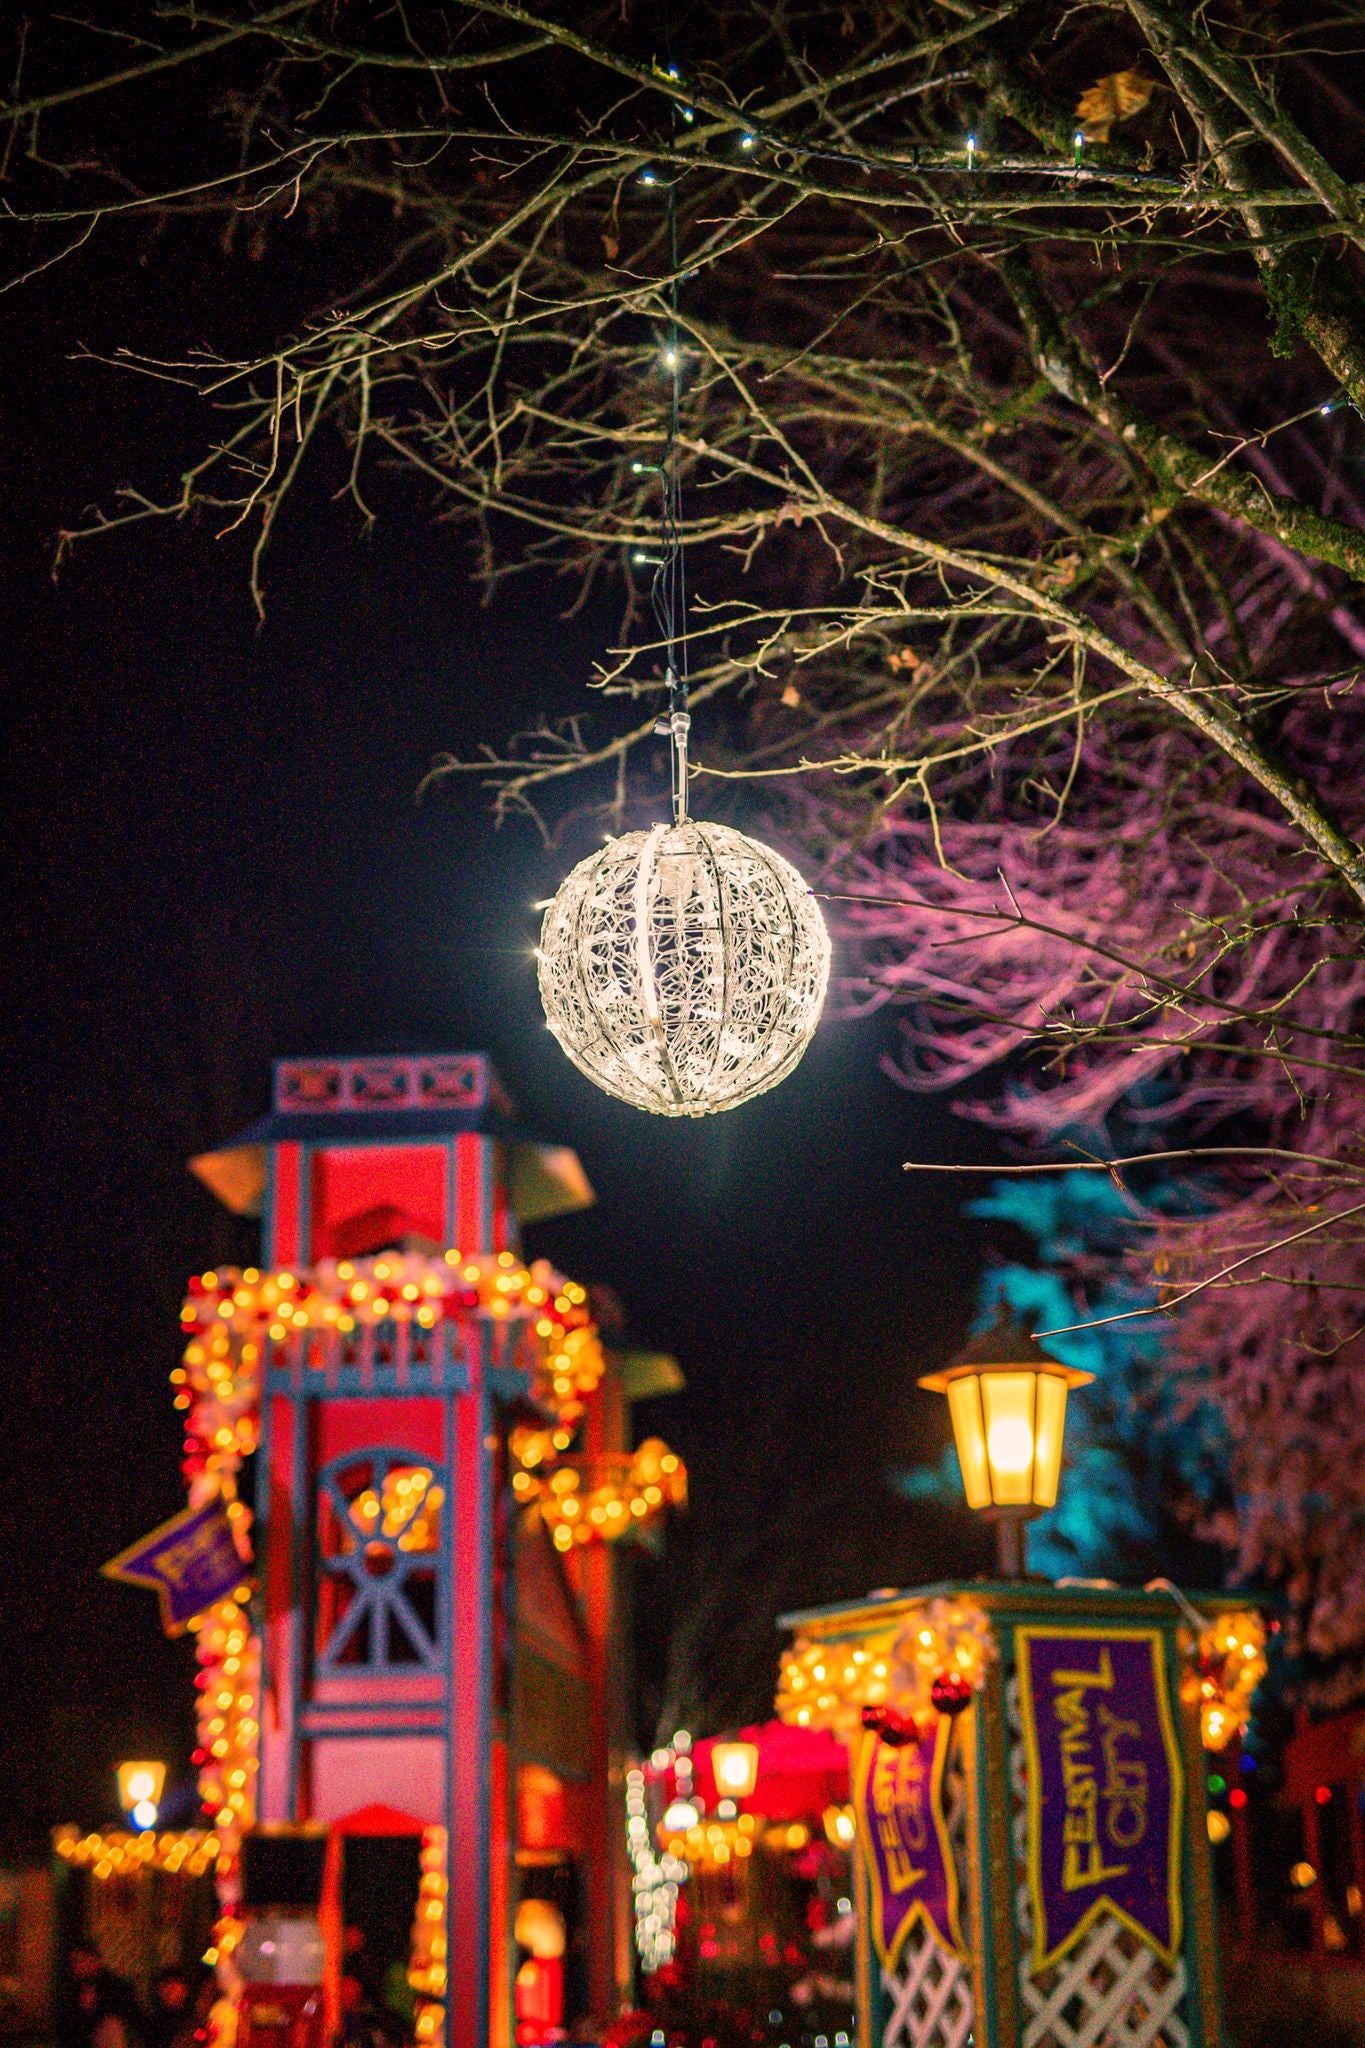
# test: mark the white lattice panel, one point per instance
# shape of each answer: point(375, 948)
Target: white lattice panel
point(930, 1997)
point(1111, 1990)
point(929, 1993)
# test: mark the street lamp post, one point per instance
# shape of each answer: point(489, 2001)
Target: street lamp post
point(734, 1765)
point(1007, 1400)
point(1109, 1916)
point(140, 1786)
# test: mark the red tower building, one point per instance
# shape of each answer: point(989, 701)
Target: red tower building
point(442, 1446)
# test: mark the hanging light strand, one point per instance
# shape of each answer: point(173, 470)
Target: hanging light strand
point(683, 969)
point(668, 592)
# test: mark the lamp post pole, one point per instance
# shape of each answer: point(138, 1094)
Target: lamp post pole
point(1011, 1545)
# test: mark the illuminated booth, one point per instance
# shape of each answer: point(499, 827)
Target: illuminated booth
point(1027, 1766)
point(416, 1674)
point(741, 1846)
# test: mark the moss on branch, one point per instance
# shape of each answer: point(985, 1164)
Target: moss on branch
point(1177, 469)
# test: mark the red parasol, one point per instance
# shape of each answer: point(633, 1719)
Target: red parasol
point(801, 1771)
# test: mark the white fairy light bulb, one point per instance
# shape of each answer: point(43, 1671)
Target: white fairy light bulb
point(684, 969)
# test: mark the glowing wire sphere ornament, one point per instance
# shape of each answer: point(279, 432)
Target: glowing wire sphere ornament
point(684, 969)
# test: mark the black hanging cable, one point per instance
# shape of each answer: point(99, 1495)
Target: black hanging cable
point(668, 592)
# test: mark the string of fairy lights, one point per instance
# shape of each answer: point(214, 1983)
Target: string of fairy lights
point(113, 1852)
point(932, 1660)
point(1228, 1664)
point(580, 1499)
point(427, 1969)
point(658, 1875)
point(938, 1654)
point(238, 1321)
point(670, 1838)
point(234, 1316)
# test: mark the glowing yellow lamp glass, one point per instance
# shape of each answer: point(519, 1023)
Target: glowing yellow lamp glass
point(140, 1784)
point(1049, 1423)
point(735, 1765)
point(969, 1434)
point(1007, 1398)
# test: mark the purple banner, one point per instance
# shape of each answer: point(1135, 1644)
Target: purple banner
point(1105, 1785)
point(898, 1803)
point(191, 1560)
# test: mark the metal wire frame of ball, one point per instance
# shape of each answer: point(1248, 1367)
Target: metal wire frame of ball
point(696, 1013)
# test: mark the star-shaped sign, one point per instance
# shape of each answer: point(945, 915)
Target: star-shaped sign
point(191, 1561)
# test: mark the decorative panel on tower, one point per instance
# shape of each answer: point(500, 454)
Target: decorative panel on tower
point(381, 1569)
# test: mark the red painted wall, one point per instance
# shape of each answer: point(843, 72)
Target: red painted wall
point(411, 1422)
point(352, 1181)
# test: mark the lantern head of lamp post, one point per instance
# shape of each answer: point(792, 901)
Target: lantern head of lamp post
point(140, 1786)
point(840, 1827)
point(734, 1766)
point(1007, 1399)
point(540, 1927)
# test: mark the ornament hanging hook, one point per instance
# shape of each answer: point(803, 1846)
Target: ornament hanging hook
point(679, 725)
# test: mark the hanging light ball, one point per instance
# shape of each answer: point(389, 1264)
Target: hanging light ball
point(684, 969)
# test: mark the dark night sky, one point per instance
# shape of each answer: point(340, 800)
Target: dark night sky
point(216, 857)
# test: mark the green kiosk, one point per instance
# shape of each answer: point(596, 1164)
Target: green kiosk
point(1028, 1767)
